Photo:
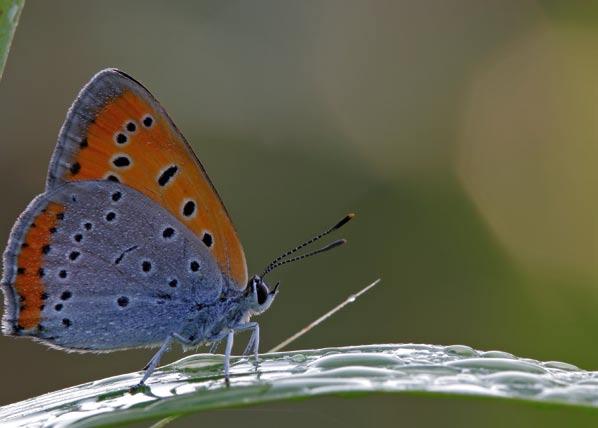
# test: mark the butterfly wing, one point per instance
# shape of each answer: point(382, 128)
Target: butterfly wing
point(117, 131)
point(96, 265)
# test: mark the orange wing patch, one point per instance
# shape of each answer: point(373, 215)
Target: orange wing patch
point(29, 280)
point(132, 140)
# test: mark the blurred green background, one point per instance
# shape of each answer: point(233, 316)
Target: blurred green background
point(463, 133)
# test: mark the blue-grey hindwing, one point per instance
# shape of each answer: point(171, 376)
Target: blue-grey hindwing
point(121, 271)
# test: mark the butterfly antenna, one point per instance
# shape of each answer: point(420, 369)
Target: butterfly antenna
point(330, 246)
point(278, 261)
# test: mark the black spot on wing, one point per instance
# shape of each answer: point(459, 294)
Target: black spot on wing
point(189, 208)
point(168, 233)
point(122, 255)
point(75, 168)
point(167, 175)
point(121, 161)
point(148, 121)
point(121, 139)
point(207, 239)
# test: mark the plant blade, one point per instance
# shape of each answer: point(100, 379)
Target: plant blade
point(10, 11)
point(195, 383)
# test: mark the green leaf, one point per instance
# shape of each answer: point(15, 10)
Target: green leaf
point(10, 11)
point(195, 383)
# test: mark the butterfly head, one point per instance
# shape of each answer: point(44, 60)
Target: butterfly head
point(259, 296)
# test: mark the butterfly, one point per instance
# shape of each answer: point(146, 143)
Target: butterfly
point(130, 245)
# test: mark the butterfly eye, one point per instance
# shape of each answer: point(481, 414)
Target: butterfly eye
point(262, 293)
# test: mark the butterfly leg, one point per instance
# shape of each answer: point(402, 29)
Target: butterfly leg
point(254, 341)
point(214, 346)
point(153, 363)
point(227, 352)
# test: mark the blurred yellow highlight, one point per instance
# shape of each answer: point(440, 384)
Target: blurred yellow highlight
point(528, 152)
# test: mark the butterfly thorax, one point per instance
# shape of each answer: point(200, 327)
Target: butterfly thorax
point(233, 309)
